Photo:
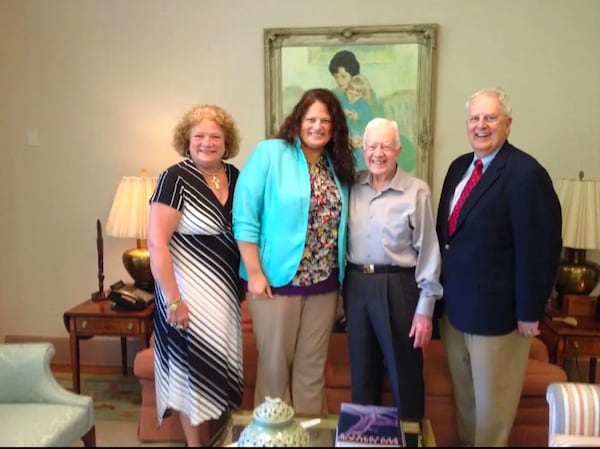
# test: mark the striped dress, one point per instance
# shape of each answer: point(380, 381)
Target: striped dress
point(198, 371)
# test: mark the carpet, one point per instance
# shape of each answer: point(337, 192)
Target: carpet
point(116, 397)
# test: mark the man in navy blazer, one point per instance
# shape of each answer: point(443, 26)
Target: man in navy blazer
point(498, 270)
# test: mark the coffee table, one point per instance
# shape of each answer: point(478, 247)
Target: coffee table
point(321, 435)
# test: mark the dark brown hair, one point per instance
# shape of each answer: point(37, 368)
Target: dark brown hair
point(339, 146)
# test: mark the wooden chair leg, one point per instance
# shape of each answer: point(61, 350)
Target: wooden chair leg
point(89, 439)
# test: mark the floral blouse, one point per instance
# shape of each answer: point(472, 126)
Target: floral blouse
point(320, 251)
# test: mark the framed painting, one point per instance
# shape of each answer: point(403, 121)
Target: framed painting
point(376, 71)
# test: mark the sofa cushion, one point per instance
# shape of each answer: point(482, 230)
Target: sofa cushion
point(337, 369)
point(246, 317)
point(537, 376)
point(143, 364)
point(538, 350)
point(435, 370)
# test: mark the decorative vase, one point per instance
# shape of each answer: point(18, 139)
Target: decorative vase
point(575, 275)
point(273, 425)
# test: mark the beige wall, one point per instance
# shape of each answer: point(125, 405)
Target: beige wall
point(105, 80)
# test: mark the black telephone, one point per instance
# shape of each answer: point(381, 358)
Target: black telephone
point(126, 297)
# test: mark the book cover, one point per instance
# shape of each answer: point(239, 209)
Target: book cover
point(368, 426)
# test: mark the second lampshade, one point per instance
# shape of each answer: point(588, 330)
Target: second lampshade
point(580, 202)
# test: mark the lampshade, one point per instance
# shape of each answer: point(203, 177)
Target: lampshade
point(128, 218)
point(580, 203)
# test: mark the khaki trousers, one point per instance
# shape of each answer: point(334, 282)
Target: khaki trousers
point(487, 377)
point(292, 338)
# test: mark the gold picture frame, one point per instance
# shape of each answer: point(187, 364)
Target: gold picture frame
point(396, 64)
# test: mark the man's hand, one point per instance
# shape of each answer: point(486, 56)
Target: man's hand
point(528, 328)
point(421, 330)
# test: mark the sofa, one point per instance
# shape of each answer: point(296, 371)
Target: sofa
point(530, 427)
point(35, 410)
point(574, 414)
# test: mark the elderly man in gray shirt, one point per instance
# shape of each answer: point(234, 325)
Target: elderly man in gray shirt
point(392, 275)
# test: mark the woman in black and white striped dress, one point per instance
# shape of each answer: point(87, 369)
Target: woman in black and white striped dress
point(195, 262)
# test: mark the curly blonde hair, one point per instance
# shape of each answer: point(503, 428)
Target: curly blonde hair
point(181, 135)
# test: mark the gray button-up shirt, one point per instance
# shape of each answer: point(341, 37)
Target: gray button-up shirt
point(396, 227)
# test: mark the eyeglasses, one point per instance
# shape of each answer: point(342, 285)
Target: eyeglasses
point(313, 121)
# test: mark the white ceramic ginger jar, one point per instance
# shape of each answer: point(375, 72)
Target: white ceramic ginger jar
point(273, 425)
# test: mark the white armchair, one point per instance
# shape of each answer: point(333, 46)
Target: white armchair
point(574, 414)
point(35, 409)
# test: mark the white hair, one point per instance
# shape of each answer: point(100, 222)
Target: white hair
point(377, 121)
point(499, 93)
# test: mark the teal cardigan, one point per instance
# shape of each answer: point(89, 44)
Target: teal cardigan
point(270, 208)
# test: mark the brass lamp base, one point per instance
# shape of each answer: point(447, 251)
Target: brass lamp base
point(137, 264)
point(575, 276)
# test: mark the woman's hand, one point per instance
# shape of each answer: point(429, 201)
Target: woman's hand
point(258, 287)
point(180, 317)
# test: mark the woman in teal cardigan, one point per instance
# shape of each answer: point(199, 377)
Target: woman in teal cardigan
point(289, 218)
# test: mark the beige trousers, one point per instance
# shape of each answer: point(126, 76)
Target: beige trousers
point(292, 338)
point(487, 377)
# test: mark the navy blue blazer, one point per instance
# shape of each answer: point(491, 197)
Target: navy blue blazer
point(500, 264)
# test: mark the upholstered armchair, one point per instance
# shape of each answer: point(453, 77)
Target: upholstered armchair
point(35, 410)
point(574, 414)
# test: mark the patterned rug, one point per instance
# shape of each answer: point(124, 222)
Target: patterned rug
point(116, 397)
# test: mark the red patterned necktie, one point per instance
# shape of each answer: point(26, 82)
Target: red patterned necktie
point(475, 176)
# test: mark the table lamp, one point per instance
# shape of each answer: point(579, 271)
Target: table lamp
point(580, 203)
point(128, 218)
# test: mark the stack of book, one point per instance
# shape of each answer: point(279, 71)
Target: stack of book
point(374, 426)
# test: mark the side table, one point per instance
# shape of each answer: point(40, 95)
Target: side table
point(90, 319)
point(565, 342)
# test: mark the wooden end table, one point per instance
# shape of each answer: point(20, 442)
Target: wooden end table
point(565, 342)
point(90, 319)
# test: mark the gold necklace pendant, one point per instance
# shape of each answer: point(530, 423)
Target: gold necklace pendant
point(214, 180)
